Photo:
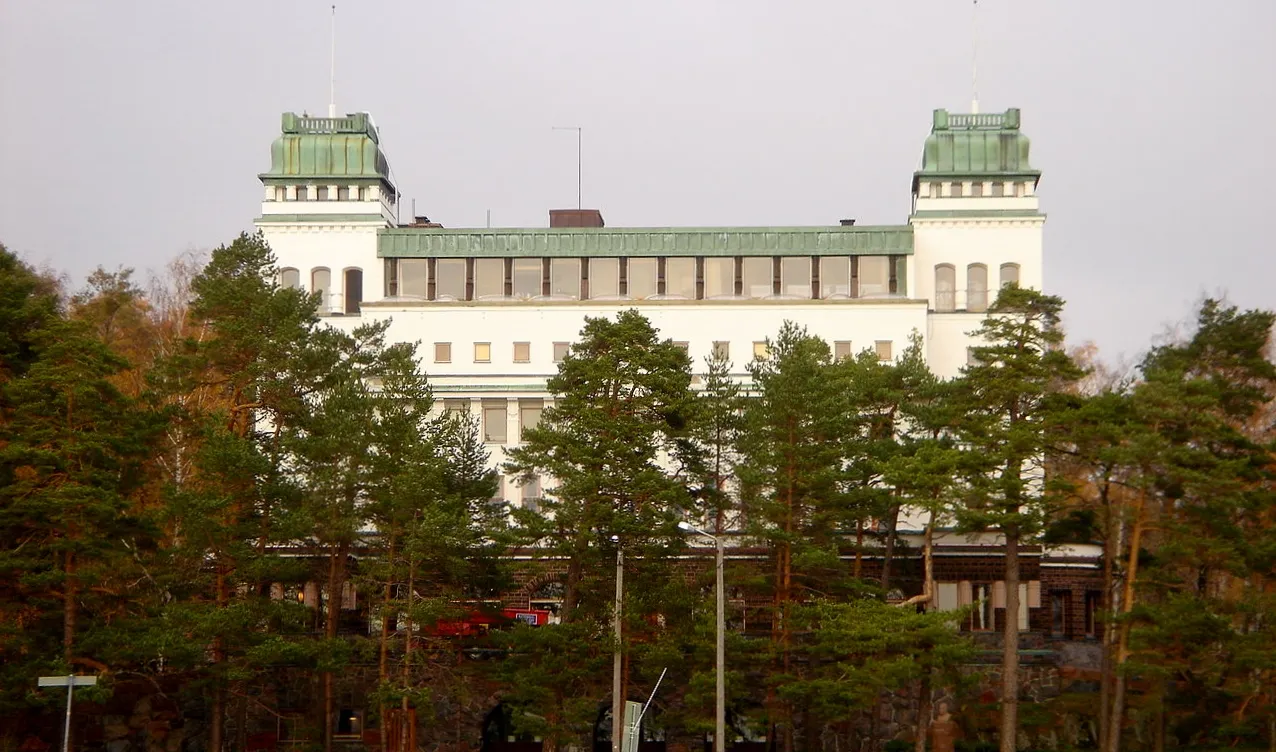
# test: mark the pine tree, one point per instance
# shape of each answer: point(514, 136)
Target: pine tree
point(1007, 397)
point(792, 477)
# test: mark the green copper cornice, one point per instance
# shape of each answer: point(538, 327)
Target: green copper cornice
point(313, 149)
point(988, 146)
point(407, 242)
point(320, 218)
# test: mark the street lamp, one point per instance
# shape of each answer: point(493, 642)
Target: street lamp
point(720, 701)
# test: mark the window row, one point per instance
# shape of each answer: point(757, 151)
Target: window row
point(978, 189)
point(495, 416)
point(671, 277)
point(976, 286)
point(721, 350)
point(321, 283)
point(319, 193)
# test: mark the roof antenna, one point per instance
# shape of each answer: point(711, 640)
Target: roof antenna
point(974, 59)
point(332, 78)
point(578, 132)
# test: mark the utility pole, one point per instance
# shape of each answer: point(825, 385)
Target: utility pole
point(720, 695)
point(70, 681)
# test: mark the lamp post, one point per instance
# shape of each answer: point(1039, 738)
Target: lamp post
point(617, 701)
point(720, 699)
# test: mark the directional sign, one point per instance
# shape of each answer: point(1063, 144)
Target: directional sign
point(62, 681)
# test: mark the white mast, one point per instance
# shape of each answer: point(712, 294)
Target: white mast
point(974, 59)
point(332, 76)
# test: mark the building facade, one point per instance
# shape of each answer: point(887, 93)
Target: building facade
point(495, 309)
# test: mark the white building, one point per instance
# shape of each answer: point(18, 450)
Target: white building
point(496, 308)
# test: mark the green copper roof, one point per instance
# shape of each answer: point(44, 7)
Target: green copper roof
point(982, 145)
point(318, 148)
point(407, 242)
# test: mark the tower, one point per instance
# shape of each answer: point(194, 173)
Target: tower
point(976, 222)
point(327, 193)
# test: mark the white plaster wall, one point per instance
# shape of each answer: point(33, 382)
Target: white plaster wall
point(962, 242)
point(308, 245)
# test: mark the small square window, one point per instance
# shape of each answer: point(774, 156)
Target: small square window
point(459, 407)
point(761, 351)
point(482, 352)
point(322, 193)
point(976, 189)
point(722, 350)
point(560, 351)
point(522, 352)
point(842, 349)
point(442, 352)
point(883, 347)
point(998, 190)
point(955, 190)
point(935, 190)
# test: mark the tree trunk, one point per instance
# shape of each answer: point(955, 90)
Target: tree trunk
point(888, 556)
point(923, 711)
point(218, 711)
point(1010, 648)
point(383, 662)
point(1123, 639)
point(70, 594)
point(1105, 663)
point(336, 583)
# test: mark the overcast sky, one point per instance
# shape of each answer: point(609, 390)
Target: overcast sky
point(131, 131)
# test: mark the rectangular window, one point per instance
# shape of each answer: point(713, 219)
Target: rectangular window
point(795, 276)
point(883, 348)
point(998, 190)
point(955, 190)
point(761, 351)
point(489, 278)
point(758, 273)
point(457, 406)
point(564, 277)
point(522, 352)
point(604, 278)
point(983, 617)
point(482, 352)
point(1009, 274)
point(560, 351)
point(934, 190)
point(835, 277)
point(498, 496)
point(722, 350)
point(1058, 613)
point(321, 193)
point(343, 193)
point(412, 277)
point(442, 352)
point(642, 278)
point(529, 415)
point(281, 193)
point(719, 277)
point(976, 189)
point(495, 422)
point(527, 277)
point(680, 278)
point(449, 279)
point(842, 349)
point(532, 493)
point(874, 276)
point(1093, 605)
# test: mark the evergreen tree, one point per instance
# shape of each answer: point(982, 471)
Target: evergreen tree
point(792, 477)
point(1007, 396)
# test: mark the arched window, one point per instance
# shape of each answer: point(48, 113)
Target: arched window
point(945, 288)
point(977, 288)
point(1009, 274)
point(321, 283)
point(353, 290)
point(290, 279)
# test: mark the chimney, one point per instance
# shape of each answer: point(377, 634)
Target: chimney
point(848, 223)
point(421, 221)
point(575, 218)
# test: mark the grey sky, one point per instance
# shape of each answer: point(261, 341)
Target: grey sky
point(132, 131)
